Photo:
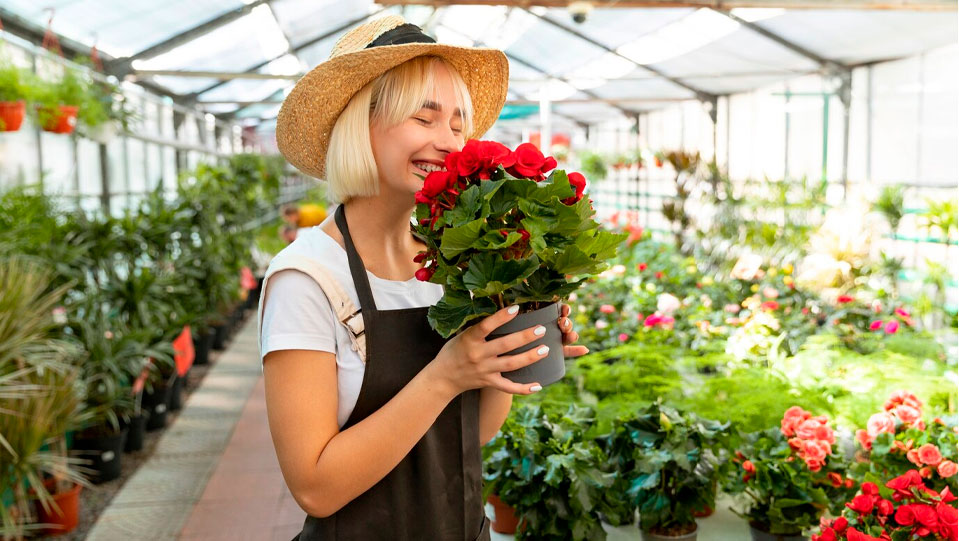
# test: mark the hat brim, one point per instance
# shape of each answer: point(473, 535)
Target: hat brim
point(307, 116)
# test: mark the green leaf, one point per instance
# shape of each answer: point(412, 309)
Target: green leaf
point(575, 261)
point(494, 240)
point(455, 309)
point(488, 274)
point(457, 240)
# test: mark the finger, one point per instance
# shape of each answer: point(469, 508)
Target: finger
point(493, 322)
point(502, 344)
point(574, 351)
point(570, 337)
point(508, 363)
point(564, 310)
point(508, 386)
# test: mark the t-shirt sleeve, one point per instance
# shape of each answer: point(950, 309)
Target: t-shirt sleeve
point(296, 315)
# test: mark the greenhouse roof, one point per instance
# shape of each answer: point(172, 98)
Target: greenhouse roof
point(237, 58)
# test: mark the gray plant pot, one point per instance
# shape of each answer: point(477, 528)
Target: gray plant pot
point(760, 535)
point(648, 536)
point(549, 369)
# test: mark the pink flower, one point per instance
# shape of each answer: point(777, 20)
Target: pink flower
point(607, 309)
point(947, 468)
point(907, 414)
point(652, 320)
point(824, 433)
point(929, 454)
point(881, 422)
point(901, 312)
point(864, 439)
point(913, 456)
point(770, 305)
point(770, 292)
point(623, 337)
point(807, 429)
point(793, 417)
point(902, 397)
point(843, 299)
point(892, 326)
point(875, 325)
point(731, 308)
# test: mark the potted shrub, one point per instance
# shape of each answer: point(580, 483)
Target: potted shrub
point(59, 102)
point(667, 468)
point(789, 476)
point(544, 465)
point(897, 440)
point(499, 232)
point(900, 509)
point(593, 165)
point(14, 91)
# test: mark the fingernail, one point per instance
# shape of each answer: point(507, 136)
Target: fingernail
point(543, 350)
point(539, 331)
point(536, 388)
point(568, 323)
point(513, 309)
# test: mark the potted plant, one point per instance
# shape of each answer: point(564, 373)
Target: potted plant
point(667, 466)
point(890, 204)
point(897, 440)
point(543, 464)
point(59, 102)
point(14, 91)
point(499, 232)
point(789, 476)
point(593, 165)
point(900, 509)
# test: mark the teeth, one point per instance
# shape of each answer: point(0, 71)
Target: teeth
point(429, 167)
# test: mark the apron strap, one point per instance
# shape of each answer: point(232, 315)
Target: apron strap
point(357, 269)
point(346, 312)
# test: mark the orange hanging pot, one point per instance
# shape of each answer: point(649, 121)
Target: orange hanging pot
point(11, 114)
point(62, 120)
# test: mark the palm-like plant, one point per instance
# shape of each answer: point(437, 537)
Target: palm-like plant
point(890, 203)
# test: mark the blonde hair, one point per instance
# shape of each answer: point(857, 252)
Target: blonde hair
point(389, 99)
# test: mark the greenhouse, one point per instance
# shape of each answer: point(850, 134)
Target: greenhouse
point(479, 269)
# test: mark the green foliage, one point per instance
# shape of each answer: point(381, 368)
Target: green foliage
point(667, 465)
point(592, 165)
point(890, 204)
point(942, 215)
point(15, 82)
point(485, 263)
point(542, 464)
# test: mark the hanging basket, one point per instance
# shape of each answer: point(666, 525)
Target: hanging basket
point(63, 120)
point(11, 115)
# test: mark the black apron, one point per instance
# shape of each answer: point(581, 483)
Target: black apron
point(435, 492)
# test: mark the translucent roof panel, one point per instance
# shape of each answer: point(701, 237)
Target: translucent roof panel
point(121, 27)
point(552, 49)
point(852, 37)
point(302, 21)
point(642, 88)
point(616, 26)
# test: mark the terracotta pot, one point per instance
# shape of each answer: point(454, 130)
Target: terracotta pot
point(703, 513)
point(505, 520)
point(760, 533)
point(550, 368)
point(11, 115)
point(69, 504)
point(649, 536)
point(63, 121)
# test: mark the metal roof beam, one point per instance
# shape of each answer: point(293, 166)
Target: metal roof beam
point(904, 5)
point(123, 66)
point(823, 62)
point(702, 95)
point(193, 95)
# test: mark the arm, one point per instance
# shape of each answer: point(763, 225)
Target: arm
point(324, 468)
point(494, 406)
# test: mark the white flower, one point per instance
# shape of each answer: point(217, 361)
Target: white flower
point(573, 297)
point(618, 270)
point(60, 315)
point(821, 271)
point(667, 304)
point(747, 267)
point(601, 324)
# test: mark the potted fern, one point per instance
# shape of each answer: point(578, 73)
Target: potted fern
point(15, 89)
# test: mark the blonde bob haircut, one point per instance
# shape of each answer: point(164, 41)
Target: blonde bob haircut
point(390, 99)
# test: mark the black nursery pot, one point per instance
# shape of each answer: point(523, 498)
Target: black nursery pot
point(176, 393)
point(549, 369)
point(136, 429)
point(104, 451)
point(220, 333)
point(202, 343)
point(157, 404)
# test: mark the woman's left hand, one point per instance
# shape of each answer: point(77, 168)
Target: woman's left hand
point(569, 335)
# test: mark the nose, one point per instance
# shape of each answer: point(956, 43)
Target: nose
point(447, 140)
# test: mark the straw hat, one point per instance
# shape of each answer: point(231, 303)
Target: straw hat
point(306, 118)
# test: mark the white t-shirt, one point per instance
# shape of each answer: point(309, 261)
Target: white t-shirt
point(298, 315)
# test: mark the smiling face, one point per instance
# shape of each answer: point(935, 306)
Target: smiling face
point(407, 151)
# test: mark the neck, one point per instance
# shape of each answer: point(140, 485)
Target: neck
point(378, 220)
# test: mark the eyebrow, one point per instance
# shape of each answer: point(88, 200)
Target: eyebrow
point(433, 106)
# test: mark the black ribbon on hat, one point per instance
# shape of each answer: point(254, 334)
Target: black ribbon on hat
point(404, 33)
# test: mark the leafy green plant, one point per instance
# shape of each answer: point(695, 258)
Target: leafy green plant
point(543, 465)
point(593, 165)
point(15, 82)
point(668, 466)
point(495, 239)
point(890, 204)
point(72, 88)
point(942, 215)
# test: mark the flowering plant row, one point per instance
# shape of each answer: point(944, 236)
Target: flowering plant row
point(904, 509)
point(499, 231)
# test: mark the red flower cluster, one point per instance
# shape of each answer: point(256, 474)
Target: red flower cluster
point(530, 163)
point(919, 511)
point(811, 437)
point(902, 409)
point(656, 319)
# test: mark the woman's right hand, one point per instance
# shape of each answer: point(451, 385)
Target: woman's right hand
point(468, 361)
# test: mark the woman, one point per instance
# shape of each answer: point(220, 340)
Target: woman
point(377, 420)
